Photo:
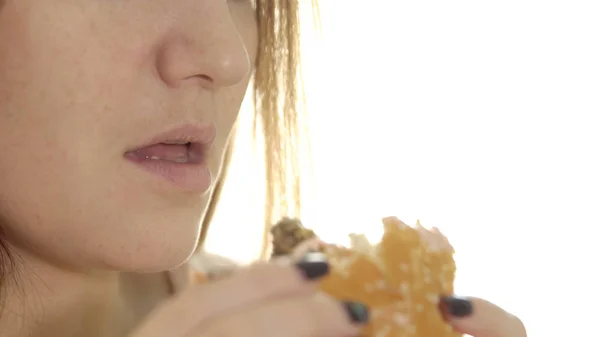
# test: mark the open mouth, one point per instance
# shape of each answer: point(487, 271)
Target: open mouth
point(180, 153)
point(178, 156)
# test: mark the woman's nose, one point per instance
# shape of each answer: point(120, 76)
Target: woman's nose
point(204, 47)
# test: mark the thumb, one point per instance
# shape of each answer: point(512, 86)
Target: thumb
point(480, 318)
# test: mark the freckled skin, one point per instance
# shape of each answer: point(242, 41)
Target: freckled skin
point(81, 82)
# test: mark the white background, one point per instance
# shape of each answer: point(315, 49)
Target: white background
point(479, 117)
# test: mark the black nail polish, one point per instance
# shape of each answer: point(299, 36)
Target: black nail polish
point(358, 312)
point(313, 266)
point(457, 306)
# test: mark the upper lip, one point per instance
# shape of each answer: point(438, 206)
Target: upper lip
point(203, 135)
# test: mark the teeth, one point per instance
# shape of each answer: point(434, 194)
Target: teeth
point(175, 142)
point(182, 160)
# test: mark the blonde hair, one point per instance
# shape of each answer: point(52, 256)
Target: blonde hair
point(277, 96)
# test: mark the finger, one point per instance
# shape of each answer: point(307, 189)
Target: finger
point(263, 282)
point(309, 316)
point(480, 318)
point(306, 246)
point(247, 285)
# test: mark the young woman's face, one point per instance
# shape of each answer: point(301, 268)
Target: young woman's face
point(92, 93)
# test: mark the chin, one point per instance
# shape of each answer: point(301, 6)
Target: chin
point(150, 259)
point(153, 248)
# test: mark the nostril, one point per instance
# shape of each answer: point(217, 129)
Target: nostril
point(199, 77)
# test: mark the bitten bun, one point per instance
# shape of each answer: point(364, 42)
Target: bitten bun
point(401, 278)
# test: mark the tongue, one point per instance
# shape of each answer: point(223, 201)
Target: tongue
point(169, 152)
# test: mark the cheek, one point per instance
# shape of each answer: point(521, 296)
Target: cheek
point(244, 17)
point(231, 99)
point(245, 20)
point(229, 107)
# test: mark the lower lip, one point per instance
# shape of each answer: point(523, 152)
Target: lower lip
point(191, 177)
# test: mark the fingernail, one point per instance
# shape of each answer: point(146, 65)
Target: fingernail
point(457, 306)
point(358, 312)
point(313, 265)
